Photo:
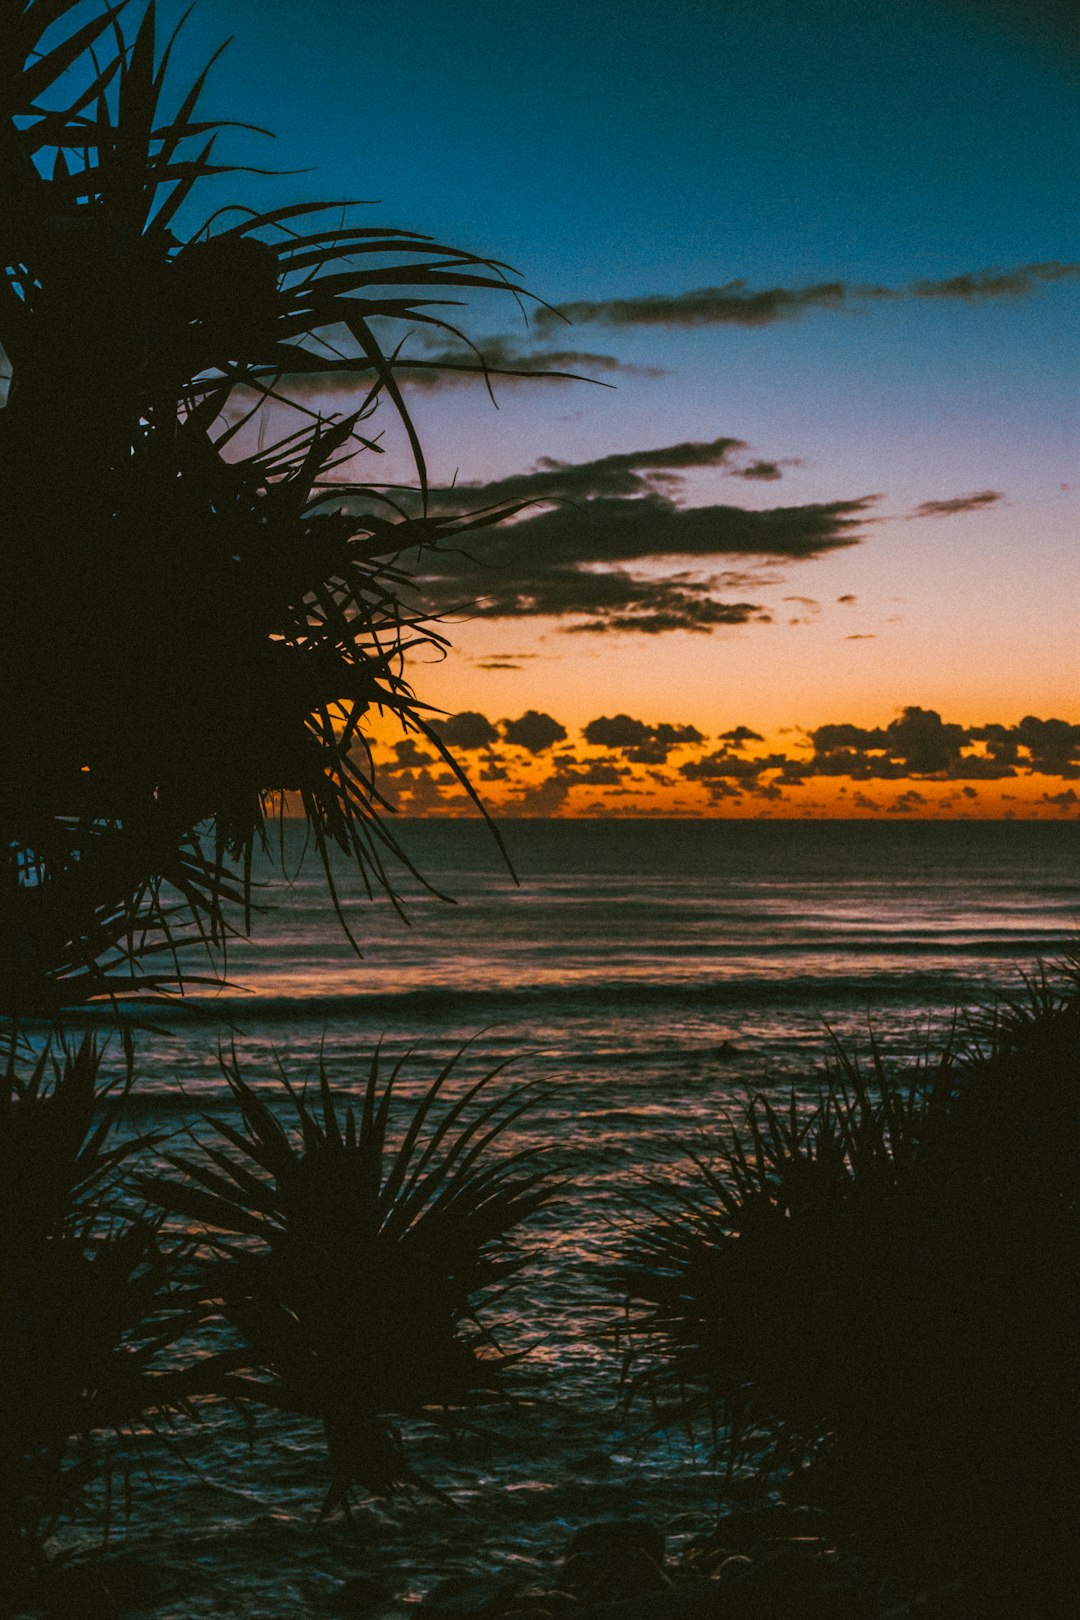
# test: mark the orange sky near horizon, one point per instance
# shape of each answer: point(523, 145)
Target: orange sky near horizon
point(812, 549)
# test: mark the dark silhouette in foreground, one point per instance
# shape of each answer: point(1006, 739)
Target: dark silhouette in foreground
point(879, 1299)
point(197, 621)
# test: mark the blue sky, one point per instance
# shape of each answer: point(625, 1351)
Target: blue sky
point(617, 150)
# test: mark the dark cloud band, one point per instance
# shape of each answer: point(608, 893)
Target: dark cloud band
point(736, 304)
point(611, 547)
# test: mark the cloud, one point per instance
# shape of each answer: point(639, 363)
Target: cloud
point(592, 559)
point(620, 756)
point(906, 804)
point(976, 284)
point(407, 757)
point(641, 744)
point(920, 743)
point(767, 471)
point(508, 363)
point(512, 365)
point(467, 730)
point(655, 611)
point(917, 743)
point(1051, 746)
point(735, 304)
point(599, 773)
point(628, 472)
point(731, 767)
point(533, 731)
point(977, 502)
point(847, 601)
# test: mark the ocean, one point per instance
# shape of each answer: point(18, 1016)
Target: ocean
point(653, 975)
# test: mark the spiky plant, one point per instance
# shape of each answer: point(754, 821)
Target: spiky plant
point(738, 1278)
point(879, 1299)
point(352, 1265)
point(196, 624)
point(89, 1299)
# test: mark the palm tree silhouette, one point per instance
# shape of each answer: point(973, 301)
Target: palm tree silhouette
point(197, 621)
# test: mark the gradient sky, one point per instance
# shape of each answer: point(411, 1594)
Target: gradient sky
point(843, 234)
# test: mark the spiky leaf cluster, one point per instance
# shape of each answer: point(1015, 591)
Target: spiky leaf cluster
point(351, 1262)
point(195, 623)
point(91, 1298)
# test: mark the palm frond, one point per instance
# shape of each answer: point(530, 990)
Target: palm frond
point(229, 617)
point(353, 1266)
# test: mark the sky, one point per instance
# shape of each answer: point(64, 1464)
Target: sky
point(806, 545)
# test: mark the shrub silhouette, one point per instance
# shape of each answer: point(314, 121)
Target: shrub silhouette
point(195, 624)
point(91, 1299)
point(350, 1265)
point(878, 1298)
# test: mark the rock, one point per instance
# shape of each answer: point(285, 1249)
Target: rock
point(479, 1597)
point(616, 1558)
point(727, 1052)
point(360, 1595)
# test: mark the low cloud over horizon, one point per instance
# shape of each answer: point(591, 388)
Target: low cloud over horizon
point(634, 760)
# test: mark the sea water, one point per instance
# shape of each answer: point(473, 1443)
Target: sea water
point(654, 975)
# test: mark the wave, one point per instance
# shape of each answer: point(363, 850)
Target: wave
point(798, 990)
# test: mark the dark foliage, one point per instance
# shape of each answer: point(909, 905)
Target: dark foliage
point(196, 623)
point(89, 1300)
point(879, 1297)
point(351, 1265)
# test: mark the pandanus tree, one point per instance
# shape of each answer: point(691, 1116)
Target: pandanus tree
point(202, 609)
point(195, 623)
point(356, 1263)
point(93, 1302)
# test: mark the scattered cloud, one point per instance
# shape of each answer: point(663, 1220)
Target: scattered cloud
point(533, 731)
point(920, 743)
point(1052, 746)
point(736, 304)
point(407, 757)
point(623, 473)
point(731, 767)
point(536, 765)
point(976, 284)
point(427, 366)
point(510, 363)
point(467, 730)
point(642, 744)
point(908, 804)
point(956, 504)
point(732, 304)
point(599, 550)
